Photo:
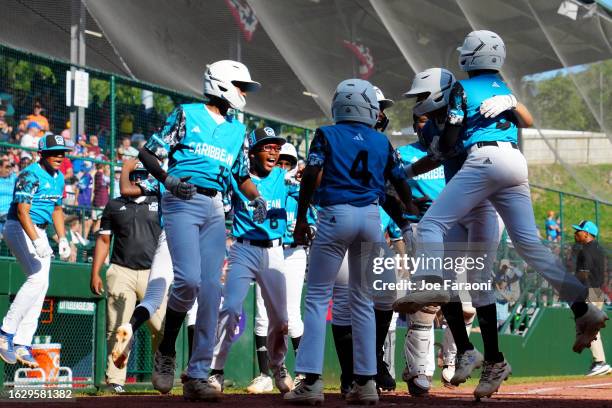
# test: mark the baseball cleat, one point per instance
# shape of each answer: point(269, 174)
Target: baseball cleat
point(163, 373)
point(448, 371)
point(124, 337)
point(305, 394)
point(7, 350)
point(282, 379)
point(23, 354)
point(384, 380)
point(587, 327)
point(414, 301)
point(215, 381)
point(199, 389)
point(260, 384)
point(599, 368)
point(419, 386)
point(362, 394)
point(493, 374)
point(465, 364)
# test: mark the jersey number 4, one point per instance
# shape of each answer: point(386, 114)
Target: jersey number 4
point(359, 169)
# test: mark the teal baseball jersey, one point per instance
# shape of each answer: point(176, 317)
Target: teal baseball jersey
point(275, 191)
point(42, 190)
point(387, 225)
point(199, 147)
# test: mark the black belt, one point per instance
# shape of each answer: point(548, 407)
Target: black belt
point(42, 226)
point(482, 144)
point(262, 243)
point(210, 192)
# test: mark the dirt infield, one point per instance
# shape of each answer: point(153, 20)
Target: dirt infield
point(592, 392)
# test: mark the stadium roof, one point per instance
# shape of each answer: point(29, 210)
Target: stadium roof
point(300, 49)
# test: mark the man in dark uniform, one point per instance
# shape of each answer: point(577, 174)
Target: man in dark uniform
point(592, 272)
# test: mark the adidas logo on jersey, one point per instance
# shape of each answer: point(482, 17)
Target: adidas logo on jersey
point(47, 185)
point(358, 137)
point(196, 129)
point(495, 84)
point(122, 208)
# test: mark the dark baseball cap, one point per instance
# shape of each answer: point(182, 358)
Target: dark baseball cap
point(52, 142)
point(264, 135)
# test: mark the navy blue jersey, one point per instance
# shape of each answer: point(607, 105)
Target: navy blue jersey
point(464, 109)
point(451, 165)
point(43, 191)
point(199, 147)
point(356, 161)
point(274, 190)
point(291, 206)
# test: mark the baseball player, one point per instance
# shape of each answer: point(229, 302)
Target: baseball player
point(295, 269)
point(480, 115)
point(383, 312)
point(352, 162)
point(257, 255)
point(204, 146)
point(37, 202)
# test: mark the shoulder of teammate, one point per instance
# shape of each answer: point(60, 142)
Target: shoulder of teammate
point(457, 105)
point(26, 185)
point(318, 149)
point(171, 134)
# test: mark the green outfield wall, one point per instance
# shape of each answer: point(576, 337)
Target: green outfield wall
point(74, 317)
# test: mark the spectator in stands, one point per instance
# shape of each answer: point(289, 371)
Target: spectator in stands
point(126, 125)
point(138, 136)
point(5, 131)
point(507, 290)
point(85, 194)
point(592, 272)
point(32, 135)
point(135, 224)
point(117, 182)
point(126, 149)
point(553, 231)
point(71, 191)
point(39, 118)
point(101, 192)
point(7, 186)
point(25, 160)
point(93, 146)
point(78, 243)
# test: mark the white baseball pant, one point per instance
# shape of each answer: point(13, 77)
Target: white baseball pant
point(295, 269)
point(497, 173)
point(22, 317)
point(266, 267)
point(160, 277)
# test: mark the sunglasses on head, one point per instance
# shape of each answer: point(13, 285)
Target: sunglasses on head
point(270, 148)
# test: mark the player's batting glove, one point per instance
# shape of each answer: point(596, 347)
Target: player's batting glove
point(64, 249)
point(42, 248)
point(180, 187)
point(260, 210)
point(495, 105)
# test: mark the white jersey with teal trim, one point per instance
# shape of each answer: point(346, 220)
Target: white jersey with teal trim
point(274, 190)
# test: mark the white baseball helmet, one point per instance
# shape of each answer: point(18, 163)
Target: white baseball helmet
point(355, 100)
point(482, 49)
point(383, 102)
point(289, 150)
point(437, 83)
point(221, 78)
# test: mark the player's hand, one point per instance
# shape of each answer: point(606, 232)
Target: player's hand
point(260, 209)
point(302, 234)
point(64, 249)
point(129, 164)
point(96, 285)
point(42, 248)
point(495, 105)
point(180, 188)
point(423, 204)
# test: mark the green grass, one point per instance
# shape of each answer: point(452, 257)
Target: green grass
point(598, 177)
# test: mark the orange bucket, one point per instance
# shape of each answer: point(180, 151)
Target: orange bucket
point(48, 358)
